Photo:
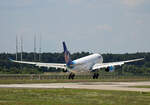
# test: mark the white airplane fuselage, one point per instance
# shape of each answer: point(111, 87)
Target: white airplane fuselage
point(85, 64)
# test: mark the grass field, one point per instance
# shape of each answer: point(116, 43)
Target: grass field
point(9, 96)
point(63, 78)
point(141, 86)
point(28, 81)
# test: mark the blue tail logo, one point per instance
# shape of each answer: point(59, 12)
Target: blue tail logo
point(67, 55)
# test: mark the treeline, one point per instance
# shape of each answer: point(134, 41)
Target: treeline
point(136, 68)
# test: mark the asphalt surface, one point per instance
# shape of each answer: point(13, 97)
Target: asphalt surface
point(123, 86)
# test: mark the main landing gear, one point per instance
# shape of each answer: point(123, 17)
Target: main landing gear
point(71, 76)
point(95, 75)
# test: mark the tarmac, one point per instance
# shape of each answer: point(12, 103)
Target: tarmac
point(120, 86)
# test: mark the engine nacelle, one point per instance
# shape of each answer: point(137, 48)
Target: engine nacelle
point(65, 70)
point(110, 69)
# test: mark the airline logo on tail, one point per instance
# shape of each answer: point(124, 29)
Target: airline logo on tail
point(67, 55)
point(67, 58)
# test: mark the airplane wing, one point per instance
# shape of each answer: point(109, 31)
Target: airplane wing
point(39, 64)
point(105, 65)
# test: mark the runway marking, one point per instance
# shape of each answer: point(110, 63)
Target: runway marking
point(122, 86)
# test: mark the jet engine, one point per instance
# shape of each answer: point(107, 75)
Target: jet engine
point(65, 70)
point(110, 69)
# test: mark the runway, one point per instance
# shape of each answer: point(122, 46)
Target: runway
point(122, 86)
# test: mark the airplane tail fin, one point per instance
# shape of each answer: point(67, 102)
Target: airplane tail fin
point(67, 55)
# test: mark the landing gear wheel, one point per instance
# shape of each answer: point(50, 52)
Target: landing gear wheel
point(71, 76)
point(96, 75)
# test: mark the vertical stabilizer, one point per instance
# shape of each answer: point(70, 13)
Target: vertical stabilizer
point(67, 55)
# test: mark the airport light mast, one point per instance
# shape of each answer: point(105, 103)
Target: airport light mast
point(16, 47)
point(21, 46)
point(34, 47)
point(40, 48)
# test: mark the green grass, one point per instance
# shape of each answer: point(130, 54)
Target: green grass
point(9, 96)
point(141, 86)
point(28, 81)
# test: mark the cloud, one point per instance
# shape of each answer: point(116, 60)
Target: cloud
point(133, 3)
point(75, 1)
point(139, 22)
point(13, 4)
point(104, 27)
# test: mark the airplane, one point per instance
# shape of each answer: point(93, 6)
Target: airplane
point(88, 63)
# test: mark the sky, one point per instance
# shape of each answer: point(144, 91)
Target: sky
point(102, 26)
